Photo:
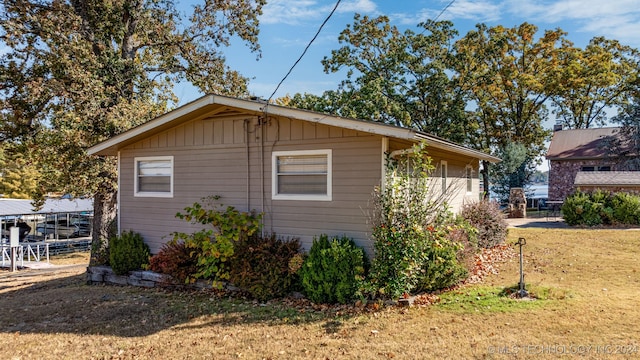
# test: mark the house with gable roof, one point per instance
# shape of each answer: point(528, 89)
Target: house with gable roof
point(309, 173)
point(579, 158)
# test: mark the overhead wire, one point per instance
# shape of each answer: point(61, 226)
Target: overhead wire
point(305, 50)
point(440, 14)
point(443, 10)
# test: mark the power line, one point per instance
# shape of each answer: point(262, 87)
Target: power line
point(443, 10)
point(305, 50)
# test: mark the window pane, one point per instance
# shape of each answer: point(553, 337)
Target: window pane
point(443, 174)
point(302, 184)
point(469, 180)
point(154, 167)
point(154, 184)
point(316, 164)
point(154, 176)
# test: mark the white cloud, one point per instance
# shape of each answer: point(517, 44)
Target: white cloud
point(296, 12)
point(618, 19)
point(475, 10)
point(481, 11)
point(357, 6)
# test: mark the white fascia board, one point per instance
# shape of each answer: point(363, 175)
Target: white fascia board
point(445, 145)
point(157, 122)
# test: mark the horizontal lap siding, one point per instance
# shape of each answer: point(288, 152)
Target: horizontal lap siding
point(456, 173)
point(197, 173)
point(356, 171)
point(210, 158)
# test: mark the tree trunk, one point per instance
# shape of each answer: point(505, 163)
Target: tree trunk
point(104, 226)
point(485, 178)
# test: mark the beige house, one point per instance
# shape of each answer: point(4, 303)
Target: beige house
point(309, 173)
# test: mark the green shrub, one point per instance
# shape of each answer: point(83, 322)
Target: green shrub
point(175, 259)
point(626, 208)
point(214, 246)
point(441, 266)
point(412, 245)
point(574, 206)
point(590, 209)
point(261, 266)
point(487, 218)
point(333, 271)
point(128, 252)
point(601, 207)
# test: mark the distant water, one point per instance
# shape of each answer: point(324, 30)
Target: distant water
point(539, 191)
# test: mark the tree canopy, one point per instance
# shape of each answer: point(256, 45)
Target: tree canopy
point(393, 77)
point(77, 72)
point(490, 88)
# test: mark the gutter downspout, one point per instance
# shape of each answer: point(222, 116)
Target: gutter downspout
point(117, 196)
point(246, 143)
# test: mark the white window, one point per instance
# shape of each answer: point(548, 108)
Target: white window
point(301, 175)
point(469, 175)
point(443, 176)
point(154, 176)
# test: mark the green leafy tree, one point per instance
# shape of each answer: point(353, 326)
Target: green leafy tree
point(508, 74)
point(624, 147)
point(77, 72)
point(393, 77)
point(18, 173)
point(592, 80)
point(508, 173)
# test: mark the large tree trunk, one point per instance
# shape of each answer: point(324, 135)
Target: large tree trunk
point(104, 215)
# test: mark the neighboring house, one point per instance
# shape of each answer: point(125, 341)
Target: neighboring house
point(613, 181)
point(579, 159)
point(309, 173)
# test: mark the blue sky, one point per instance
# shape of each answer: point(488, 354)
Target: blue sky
point(288, 25)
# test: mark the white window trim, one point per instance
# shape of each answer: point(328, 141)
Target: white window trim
point(274, 176)
point(468, 174)
point(137, 193)
point(444, 169)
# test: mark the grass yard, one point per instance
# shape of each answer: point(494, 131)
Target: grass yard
point(587, 282)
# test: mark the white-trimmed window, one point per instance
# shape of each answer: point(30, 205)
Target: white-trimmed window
point(301, 175)
point(154, 176)
point(443, 176)
point(469, 176)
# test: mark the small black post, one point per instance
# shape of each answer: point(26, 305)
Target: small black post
point(522, 292)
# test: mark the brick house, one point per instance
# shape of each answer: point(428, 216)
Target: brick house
point(578, 159)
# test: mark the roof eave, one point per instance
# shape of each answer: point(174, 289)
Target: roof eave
point(446, 145)
point(111, 146)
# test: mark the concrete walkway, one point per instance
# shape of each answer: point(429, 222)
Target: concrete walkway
point(538, 222)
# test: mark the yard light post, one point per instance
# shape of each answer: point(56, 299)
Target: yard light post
point(522, 292)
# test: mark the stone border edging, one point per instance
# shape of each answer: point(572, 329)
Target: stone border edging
point(143, 278)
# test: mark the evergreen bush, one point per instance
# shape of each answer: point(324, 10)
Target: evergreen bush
point(128, 252)
point(333, 271)
point(626, 208)
point(412, 245)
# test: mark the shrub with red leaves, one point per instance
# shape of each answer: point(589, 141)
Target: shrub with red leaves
point(489, 220)
point(174, 259)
